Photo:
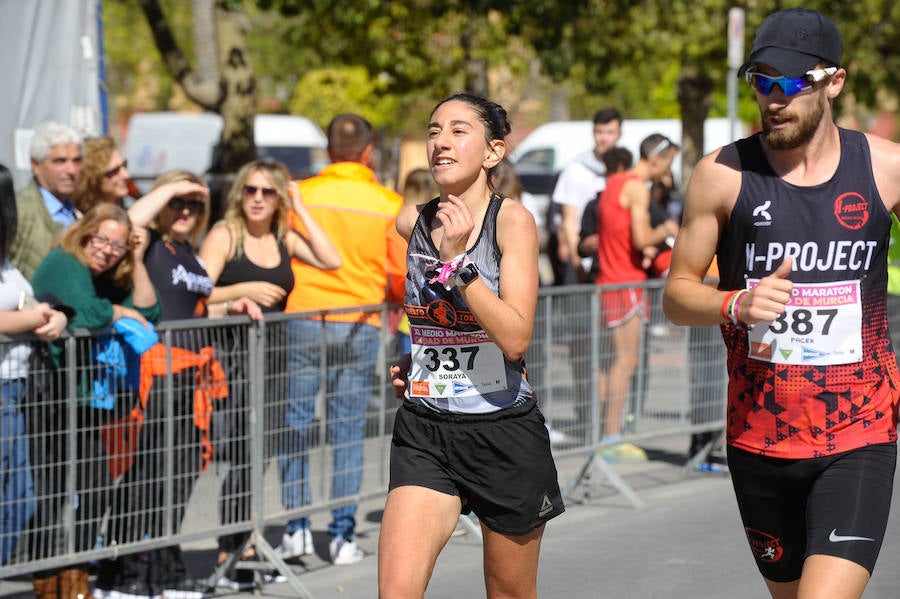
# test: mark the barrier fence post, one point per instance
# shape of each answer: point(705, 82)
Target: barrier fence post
point(68, 531)
point(169, 525)
point(259, 354)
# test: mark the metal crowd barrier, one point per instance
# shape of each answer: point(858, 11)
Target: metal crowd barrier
point(115, 462)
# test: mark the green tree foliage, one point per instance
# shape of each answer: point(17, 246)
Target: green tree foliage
point(652, 58)
point(322, 93)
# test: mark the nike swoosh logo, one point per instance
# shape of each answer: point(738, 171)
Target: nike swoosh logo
point(836, 538)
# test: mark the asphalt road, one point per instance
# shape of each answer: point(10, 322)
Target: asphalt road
point(686, 541)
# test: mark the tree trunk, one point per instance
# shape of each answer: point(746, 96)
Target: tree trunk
point(232, 94)
point(204, 93)
point(694, 97)
point(204, 31)
point(238, 99)
point(474, 69)
point(559, 103)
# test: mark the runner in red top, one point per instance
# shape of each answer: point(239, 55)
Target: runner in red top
point(623, 231)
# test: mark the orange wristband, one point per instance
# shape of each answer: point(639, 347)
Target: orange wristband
point(726, 303)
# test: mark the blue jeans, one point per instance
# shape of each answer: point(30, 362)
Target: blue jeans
point(351, 350)
point(16, 481)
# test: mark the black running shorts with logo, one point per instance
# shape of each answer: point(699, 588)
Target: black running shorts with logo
point(499, 463)
point(835, 505)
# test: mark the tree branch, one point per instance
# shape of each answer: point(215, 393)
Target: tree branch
point(205, 93)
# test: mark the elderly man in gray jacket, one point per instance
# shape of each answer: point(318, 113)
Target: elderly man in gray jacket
point(44, 205)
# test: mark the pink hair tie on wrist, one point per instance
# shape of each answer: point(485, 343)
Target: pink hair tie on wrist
point(447, 270)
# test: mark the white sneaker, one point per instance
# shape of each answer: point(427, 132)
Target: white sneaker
point(344, 553)
point(298, 544)
point(226, 582)
point(557, 437)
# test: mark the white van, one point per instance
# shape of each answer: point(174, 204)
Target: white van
point(161, 141)
point(294, 140)
point(544, 152)
point(554, 145)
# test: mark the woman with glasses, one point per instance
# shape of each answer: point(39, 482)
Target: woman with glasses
point(104, 175)
point(249, 255)
point(98, 270)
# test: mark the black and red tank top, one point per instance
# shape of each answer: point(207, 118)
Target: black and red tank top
point(823, 378)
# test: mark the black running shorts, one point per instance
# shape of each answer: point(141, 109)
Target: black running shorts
point(836, 505)
point(499, 463)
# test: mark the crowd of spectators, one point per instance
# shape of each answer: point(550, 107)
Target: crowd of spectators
point(80, 247)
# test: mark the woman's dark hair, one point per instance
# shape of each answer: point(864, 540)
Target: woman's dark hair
point(9, 219)
point(492, 115)
point(496, 123)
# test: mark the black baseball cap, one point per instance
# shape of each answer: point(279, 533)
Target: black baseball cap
point(794, 40)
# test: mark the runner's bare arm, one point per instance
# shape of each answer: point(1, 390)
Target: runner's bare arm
point(509, 318)
point(711, 194)
point(406, 220)
point(637, 194)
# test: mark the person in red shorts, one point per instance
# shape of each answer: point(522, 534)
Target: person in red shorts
point(624, 232)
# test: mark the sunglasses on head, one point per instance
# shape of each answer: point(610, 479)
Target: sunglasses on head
point(269, 193)
point(662, 146)
point(791, 86)
point(115, 170)
point(179, 204)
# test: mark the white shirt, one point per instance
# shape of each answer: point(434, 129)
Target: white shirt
point(580, 182)
point(13, 357)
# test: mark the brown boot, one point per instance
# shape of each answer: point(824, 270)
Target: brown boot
point(46, 587)
point(73, 584)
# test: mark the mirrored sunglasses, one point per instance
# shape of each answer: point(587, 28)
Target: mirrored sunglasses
point(791, 86)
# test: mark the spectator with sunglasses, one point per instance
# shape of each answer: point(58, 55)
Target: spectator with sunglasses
point(44, 205)
point(248, 255)
point(104, 176)
point(798, 217)
point(176, 211)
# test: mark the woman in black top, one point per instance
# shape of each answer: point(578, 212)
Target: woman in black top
point(249, 255)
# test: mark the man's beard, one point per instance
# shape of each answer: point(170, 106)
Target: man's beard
point(797, 133)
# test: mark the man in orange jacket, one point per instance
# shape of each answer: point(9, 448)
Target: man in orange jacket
point(358, 214)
